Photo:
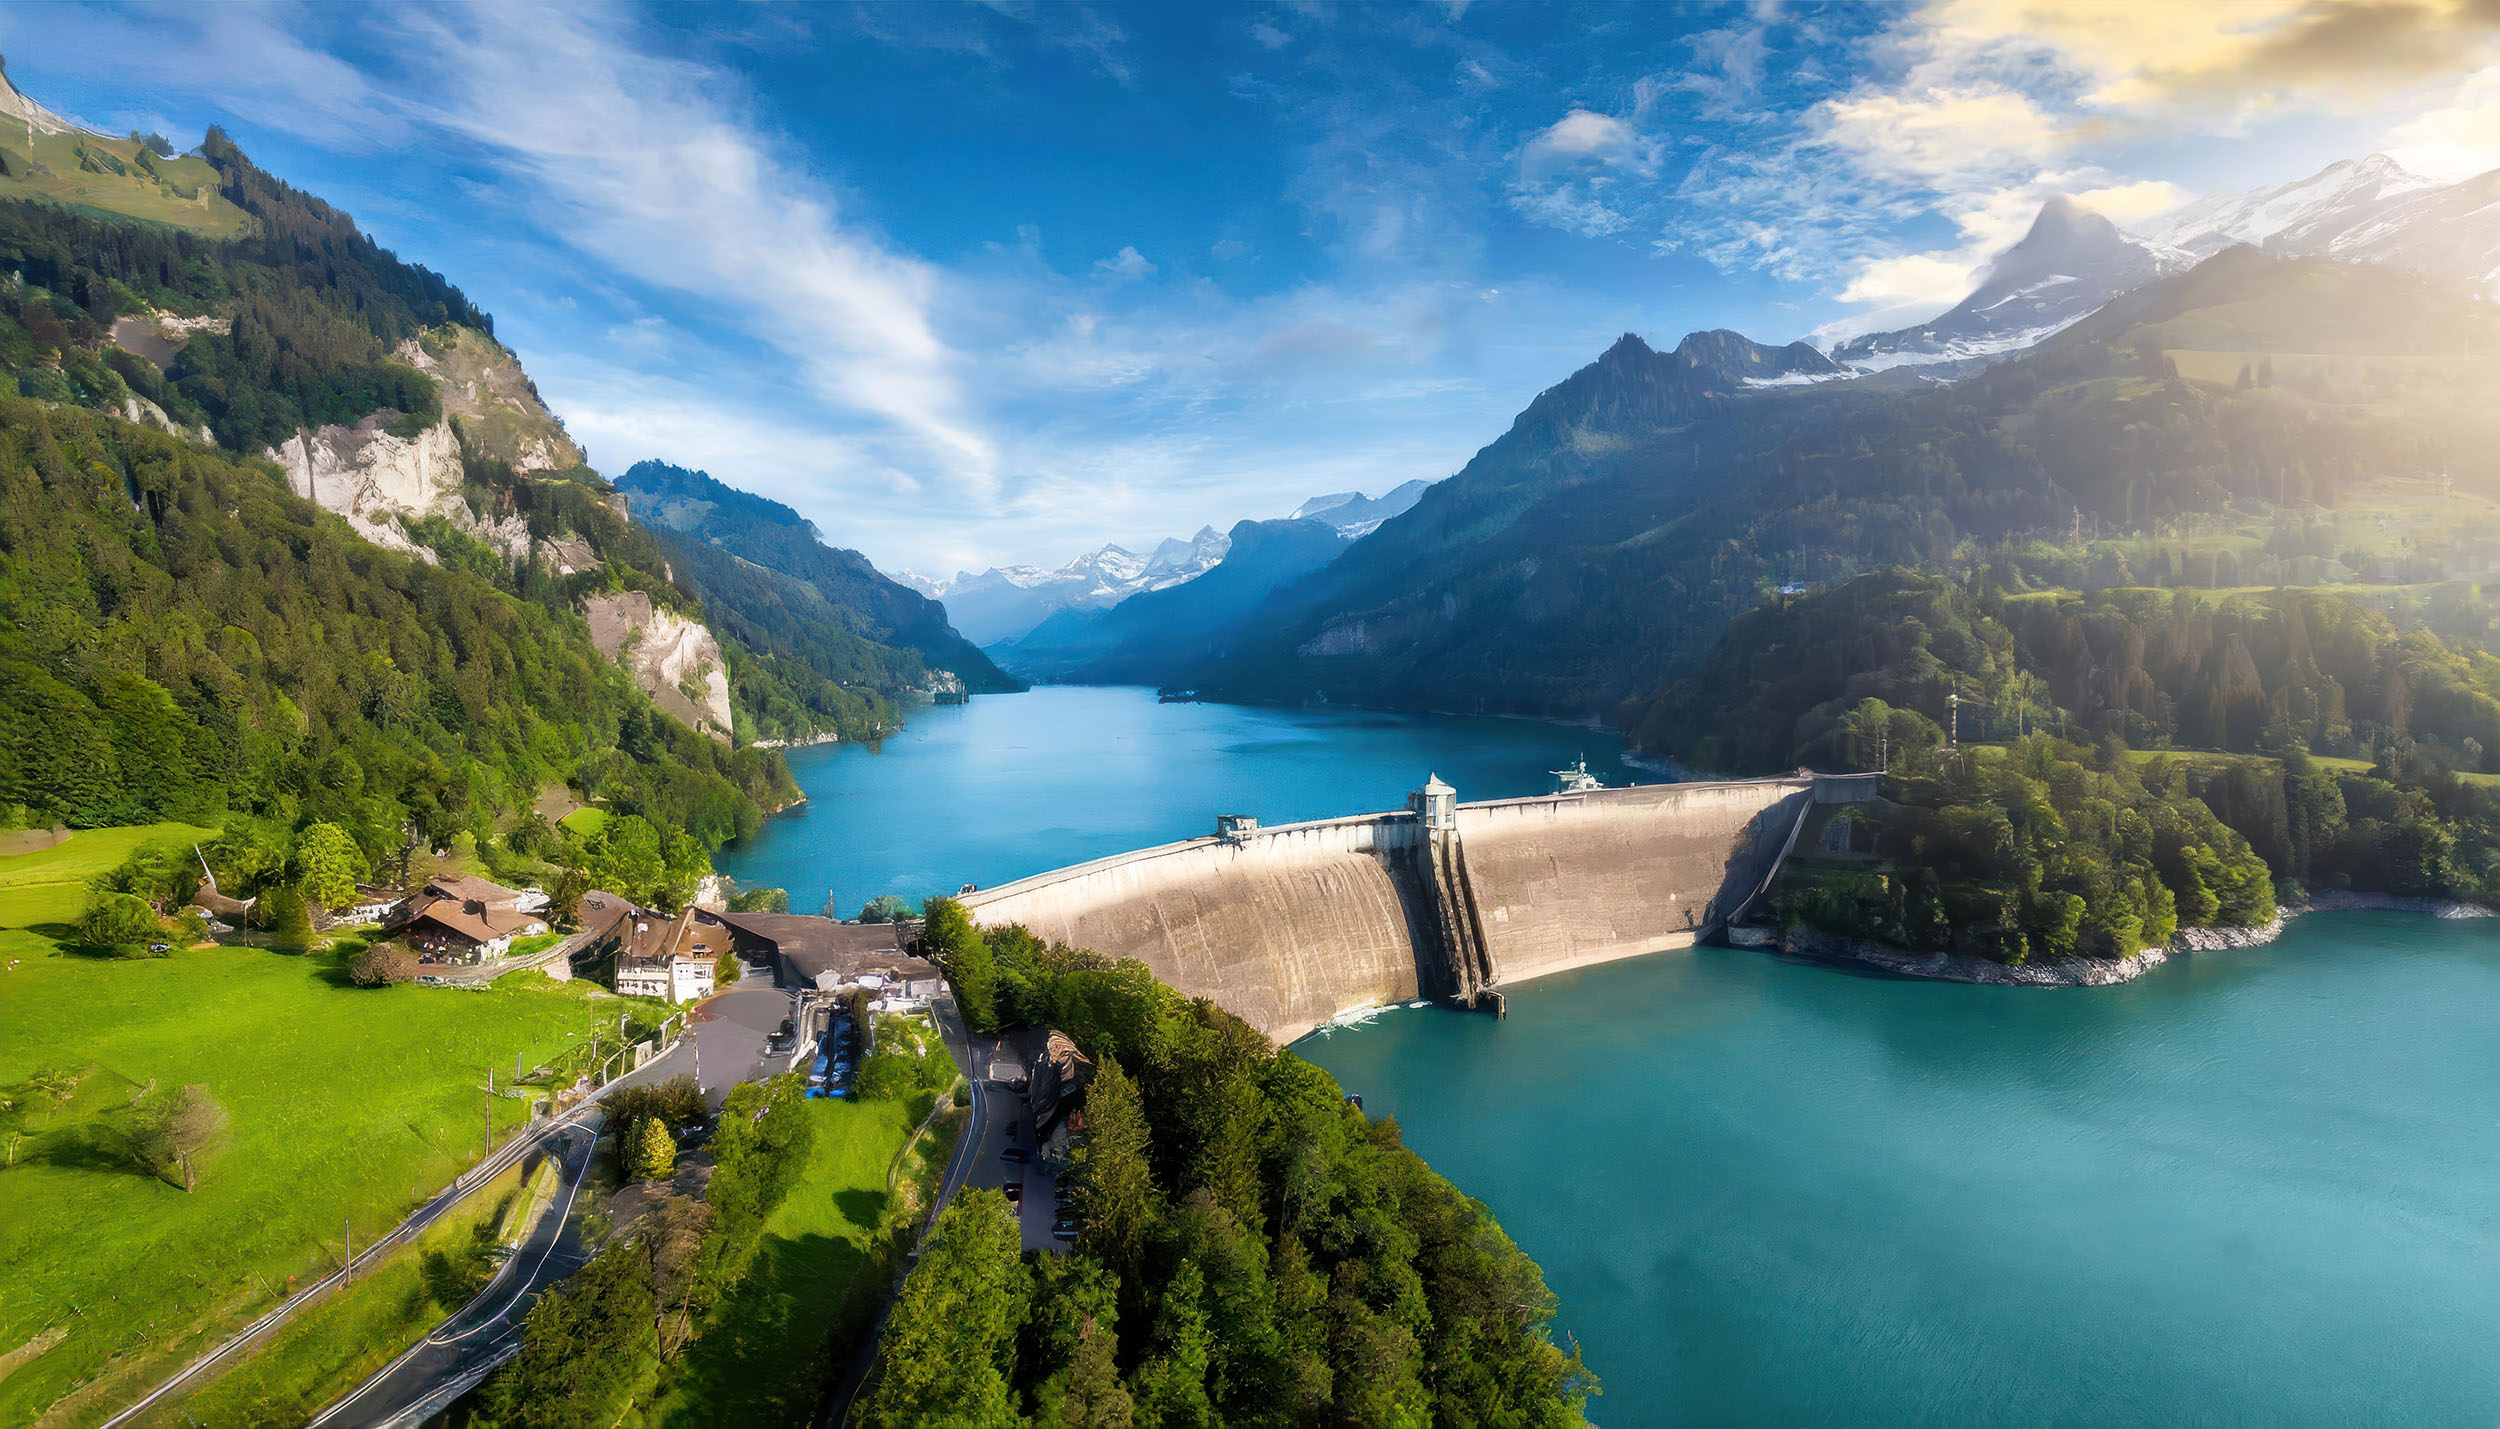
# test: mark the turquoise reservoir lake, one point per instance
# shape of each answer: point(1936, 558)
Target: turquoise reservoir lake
point(1011, 785)
point(2253, 1187)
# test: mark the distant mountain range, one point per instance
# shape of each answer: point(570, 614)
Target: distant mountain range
point(1354, 514)
point(1006, 603)
point(2370, 209)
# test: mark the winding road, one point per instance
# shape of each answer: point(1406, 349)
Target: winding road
point(465, 1348)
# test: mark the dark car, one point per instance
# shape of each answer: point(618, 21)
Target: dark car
point(1016, 1154)
point(1012, 1128)
point(1063, 1232)
point(1015, 1191)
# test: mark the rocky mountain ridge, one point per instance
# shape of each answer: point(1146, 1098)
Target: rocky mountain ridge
point(2070, 263)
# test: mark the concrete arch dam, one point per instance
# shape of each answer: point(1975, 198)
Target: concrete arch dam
point(1293, 925)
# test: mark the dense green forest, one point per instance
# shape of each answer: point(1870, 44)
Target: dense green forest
point(1255, 1250)
point(2177, 757)
point(316, 306)
point(182, 637)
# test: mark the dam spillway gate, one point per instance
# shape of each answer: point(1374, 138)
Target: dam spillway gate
point(1291, 925)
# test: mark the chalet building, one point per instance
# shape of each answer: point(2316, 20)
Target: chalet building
point(673, 958)
point(820, 953)
point(466, 919)
point(1055, 1094)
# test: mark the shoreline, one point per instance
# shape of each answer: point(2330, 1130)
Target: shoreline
point(2100, 972)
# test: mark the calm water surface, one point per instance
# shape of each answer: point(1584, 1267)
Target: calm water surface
point(1011, 785)
point(2257, 1187)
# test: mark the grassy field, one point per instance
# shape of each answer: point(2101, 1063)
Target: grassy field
point(813, 1283)
point(343, 1103)
point(50, 886)
point(180, 192)
point(333, 1347)
point(585, 822)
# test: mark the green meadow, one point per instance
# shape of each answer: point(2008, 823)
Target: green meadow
point(50, 885)
point(336, 1345)
point(815, 1277)
point(344, 1104)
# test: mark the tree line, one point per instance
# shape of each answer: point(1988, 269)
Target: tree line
point(1255, 1250)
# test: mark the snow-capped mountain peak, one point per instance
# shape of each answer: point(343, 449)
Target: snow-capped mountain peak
point(2071, 262)
point(2305, 215)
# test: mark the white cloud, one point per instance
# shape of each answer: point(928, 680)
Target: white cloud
point(646, 168)
point(1125, 265)
point(1582, 135)
point(1570, 172)
point(1941, 136)
point(2457, 140)
point(1268, 35)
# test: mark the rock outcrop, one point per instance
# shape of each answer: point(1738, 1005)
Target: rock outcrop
point(675, 661)
point(498, 408)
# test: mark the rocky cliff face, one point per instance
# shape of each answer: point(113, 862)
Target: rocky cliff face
point(497, 406)
point(673, 659)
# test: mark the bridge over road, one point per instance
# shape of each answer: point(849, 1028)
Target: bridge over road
point(1292, 925)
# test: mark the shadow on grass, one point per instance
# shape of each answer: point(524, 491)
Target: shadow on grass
point(90, 1146)
point(862, 1207)
point(776, 1336)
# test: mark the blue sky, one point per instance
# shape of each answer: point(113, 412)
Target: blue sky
point(975, 284)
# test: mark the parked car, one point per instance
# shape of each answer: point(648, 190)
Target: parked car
point(1063, 1232)
point(1016, 1154)
point(1013, 1128)
point(1015, 1192)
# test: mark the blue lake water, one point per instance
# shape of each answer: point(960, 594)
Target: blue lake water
point(2255, 1187)
point(1011, 785)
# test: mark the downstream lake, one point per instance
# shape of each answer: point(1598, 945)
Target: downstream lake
point(2252, 1187)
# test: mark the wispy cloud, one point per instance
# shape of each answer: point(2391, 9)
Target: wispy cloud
point(651, 170)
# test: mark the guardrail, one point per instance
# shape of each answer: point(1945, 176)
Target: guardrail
point(462, 1186)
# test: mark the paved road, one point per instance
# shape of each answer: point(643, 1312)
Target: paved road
point(729, 1032)
point(668, 1064)
point(486, 1332)
point(991, 1064)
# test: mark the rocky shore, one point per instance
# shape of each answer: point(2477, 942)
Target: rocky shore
point(2102, 972)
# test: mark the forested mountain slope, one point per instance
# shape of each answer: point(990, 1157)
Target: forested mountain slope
point(2336, 746)
point(736, 542)
point(1597, 547)
point(381, 391)
point(180, 637)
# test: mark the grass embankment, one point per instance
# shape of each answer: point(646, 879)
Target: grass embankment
point(331, 1348)
point(50, 885)
point(343, 1103)
point(814, 1281)
point(585, 822)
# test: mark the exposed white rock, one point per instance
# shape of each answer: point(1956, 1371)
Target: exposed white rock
point(373, 478)
point(669, 656)
point(379, 481)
